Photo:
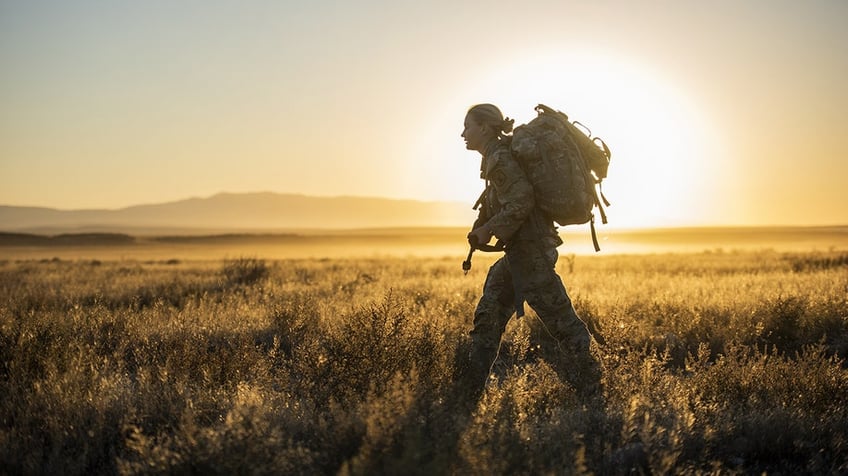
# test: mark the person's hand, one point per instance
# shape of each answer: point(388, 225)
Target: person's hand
point(480, 235)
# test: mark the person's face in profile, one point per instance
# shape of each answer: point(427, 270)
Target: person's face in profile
point(475, 134)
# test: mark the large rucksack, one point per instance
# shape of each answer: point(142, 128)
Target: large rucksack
point(564, 164)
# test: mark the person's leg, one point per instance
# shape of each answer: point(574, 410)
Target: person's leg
point(542, 288)
point(490, 318)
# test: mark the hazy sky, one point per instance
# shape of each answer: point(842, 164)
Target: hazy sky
point(722, 112)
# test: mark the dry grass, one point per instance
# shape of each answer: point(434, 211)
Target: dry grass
point(714, 363)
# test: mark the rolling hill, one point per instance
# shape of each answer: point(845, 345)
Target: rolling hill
point(242, 212)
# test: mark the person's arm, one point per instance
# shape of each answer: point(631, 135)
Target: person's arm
point(515, 195)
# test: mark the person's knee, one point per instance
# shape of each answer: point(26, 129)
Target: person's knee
point(484, 346)
point(577, 336)
point(569, 331)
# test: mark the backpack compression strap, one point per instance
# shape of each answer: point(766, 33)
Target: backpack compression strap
point(594, 235)
point(603, 217)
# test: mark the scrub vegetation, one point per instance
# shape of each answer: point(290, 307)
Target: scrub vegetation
point(719, 362)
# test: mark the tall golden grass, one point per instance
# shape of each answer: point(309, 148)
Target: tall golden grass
point(723, 362)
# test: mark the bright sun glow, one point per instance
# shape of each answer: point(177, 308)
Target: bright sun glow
point(661, 160)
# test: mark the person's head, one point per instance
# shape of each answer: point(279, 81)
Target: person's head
point(483, 123)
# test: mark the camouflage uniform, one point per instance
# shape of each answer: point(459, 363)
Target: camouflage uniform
point(526, 273)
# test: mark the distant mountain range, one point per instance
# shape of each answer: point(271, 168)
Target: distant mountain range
point(246, 212)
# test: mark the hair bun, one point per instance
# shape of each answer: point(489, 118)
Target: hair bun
point(507, 125)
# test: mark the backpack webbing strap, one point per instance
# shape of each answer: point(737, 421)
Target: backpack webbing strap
point(601, 188)
point(600, 205)
point(601, 210)
point(594, 235)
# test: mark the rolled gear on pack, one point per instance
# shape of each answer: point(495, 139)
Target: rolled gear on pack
point(564, 165)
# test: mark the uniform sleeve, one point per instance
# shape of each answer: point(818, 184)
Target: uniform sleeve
point(515, 196)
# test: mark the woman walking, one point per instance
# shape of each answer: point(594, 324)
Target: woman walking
point(527, 271)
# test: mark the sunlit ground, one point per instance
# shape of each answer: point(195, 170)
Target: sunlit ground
point(713, 363)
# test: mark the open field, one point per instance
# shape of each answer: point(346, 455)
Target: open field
point(420, 242)
point(726, 362)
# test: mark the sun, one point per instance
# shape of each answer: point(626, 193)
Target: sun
point(661, 147)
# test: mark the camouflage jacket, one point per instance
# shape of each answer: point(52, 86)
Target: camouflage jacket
point(508, 206)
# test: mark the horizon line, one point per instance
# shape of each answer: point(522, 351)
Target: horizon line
point(224, 231)
point(217, 194)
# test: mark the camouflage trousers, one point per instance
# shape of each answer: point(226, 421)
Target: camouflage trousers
point(527, 273)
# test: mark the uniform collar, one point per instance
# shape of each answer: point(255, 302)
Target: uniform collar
point(491, 147)
point(490, 157)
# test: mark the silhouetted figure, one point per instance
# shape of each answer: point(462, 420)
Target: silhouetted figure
point(527, 271)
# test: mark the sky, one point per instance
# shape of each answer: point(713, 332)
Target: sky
point(717, 113)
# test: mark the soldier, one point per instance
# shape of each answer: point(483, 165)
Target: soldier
point(526, 272)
